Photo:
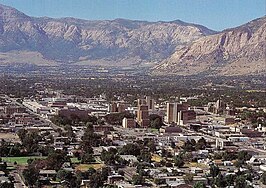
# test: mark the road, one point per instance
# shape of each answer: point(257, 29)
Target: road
point(241, 145)
point(18, 180)
point(51, 124)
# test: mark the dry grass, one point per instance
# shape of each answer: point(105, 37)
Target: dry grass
point(85, 167)
point(193, 164)
point(9, 137)
point(156, 158)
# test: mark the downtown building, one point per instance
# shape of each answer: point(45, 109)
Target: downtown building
point(179, 113)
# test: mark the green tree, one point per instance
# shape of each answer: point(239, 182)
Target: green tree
point(201, 144)
point(90, 139)
point(263, 178)
point(30, 175)
point(87, 158)
point(138, 180)
point(238, 163)
point(229, 179)
point(56, 159)
point(219, 181)
point(105, 172)
point(240, 182)
point(189, 145)
point(110, 157)
point(144, 156)
point(121, 172)
point(63, 175)
point(214, 170)
point(188, 178)
point(199, 185)
point(29, 140)
point(96, 180)
point(159, 181)
point(243, 156)
point(130, 149)
point(6, 185)
point(91, 171)
point(156, 121)
point(179, 162)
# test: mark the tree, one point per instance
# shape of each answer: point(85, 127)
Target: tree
point(240, 182)
point(30, 175)
point(138, 180)
point(90, 139)
point(188, 178)
point(116, 118)
point(96, 180)
point(87, 158)
point(179, 162)
point(156, 121)
point(91, 171)
point(56, 159)
point(159, 181)
point(3, 166)
point(227, 156)
point(229, 179)
point(263, 178)
point(199, 185)
point(220, 181)
point(189, 145)
point(243, 156)
point(63, 175)
point(151, 145)
point(130, 149)
point(6, 185)
point(238, 163)
point(29, 140)
point(214, 170)
point(201, 144)
point(144, 156)
point(141, 167)
point(105, 173)
point(121, 172)
point(110, 157)
point(69, 132)
point(70, 179)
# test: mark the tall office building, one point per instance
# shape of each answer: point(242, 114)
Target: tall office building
point(143, 116)
point(141, 102)
point(116, 107)
point(220, 107)
point(128, 123)
point(150, 103)
point(173, 111)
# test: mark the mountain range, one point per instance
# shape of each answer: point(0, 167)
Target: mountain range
point(173, 47)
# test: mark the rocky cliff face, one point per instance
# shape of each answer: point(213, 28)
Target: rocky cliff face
point(236, 51)
point(171, 47)
point(73, 40)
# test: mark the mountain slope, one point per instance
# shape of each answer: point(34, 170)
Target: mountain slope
point(236, 51)
point(70, 40)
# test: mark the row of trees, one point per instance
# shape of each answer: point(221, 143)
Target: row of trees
point(192, 145)
point(73, 120)
point(55, 160)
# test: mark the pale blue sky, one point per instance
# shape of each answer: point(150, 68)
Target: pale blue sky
point(215, 14)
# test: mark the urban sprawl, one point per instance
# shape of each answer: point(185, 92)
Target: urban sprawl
point(53, 139)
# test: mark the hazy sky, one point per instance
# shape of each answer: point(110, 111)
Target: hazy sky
point(215, 14)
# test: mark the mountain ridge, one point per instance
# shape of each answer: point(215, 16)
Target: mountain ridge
point(234, 51)
point(71, 40)
point(167, 47)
